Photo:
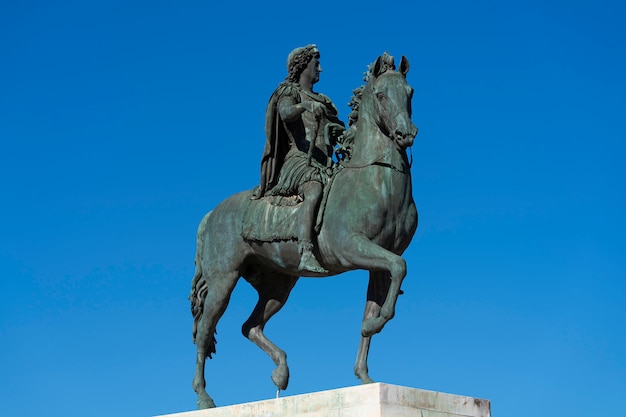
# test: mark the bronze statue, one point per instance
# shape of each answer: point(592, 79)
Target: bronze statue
point(366, 217)
point(301, 129)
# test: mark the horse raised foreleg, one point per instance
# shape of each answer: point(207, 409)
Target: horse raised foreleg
point(215, 303)
point(273, 293)
point(366, 254)
point(376, 293)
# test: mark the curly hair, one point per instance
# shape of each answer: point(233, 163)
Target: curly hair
point(298, 59)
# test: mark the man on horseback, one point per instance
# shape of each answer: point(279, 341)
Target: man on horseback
point(301, 130)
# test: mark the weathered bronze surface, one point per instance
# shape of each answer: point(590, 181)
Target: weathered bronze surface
point(312, 215)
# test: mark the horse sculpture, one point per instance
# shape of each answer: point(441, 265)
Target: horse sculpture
point(369, 220)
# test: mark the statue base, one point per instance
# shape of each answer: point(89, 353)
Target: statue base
point(371, 400)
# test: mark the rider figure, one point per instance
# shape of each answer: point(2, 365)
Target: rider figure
point(301, 129)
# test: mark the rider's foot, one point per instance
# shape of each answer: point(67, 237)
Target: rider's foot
point(309, 263)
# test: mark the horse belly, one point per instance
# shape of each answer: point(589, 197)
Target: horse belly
point(281, 255)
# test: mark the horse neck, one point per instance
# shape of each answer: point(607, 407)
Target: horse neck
point(370, 143)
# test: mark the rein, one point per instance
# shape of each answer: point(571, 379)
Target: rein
point(377, 161)
point(393, 110)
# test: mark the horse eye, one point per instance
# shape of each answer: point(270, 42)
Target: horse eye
point(380, 96)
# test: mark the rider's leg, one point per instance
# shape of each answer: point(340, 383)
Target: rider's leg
point(312, 191)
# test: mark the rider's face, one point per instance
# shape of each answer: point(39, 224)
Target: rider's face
point(313, 70)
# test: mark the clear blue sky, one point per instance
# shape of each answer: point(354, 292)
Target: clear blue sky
point(123, 122)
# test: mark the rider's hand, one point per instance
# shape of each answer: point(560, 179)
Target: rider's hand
point(315, 107)
point(335, 130)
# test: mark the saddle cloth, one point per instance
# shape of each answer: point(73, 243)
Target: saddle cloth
point(271, 219)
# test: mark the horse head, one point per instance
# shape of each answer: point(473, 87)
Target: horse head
point(388, 97)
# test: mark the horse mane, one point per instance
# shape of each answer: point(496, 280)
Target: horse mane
point(386, 63)
point(382, 64)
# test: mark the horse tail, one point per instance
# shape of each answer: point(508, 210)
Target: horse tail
point(199, 286)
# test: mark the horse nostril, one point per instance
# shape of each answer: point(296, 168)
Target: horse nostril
point(403, 136)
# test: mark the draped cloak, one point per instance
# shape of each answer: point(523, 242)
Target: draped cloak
point(277, 141)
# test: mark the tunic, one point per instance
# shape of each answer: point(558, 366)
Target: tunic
point(288, 159)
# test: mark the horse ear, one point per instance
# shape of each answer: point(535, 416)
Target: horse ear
point(377, 66)
point(404, 66)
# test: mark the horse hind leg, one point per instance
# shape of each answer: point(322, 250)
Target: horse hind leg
point(218, 294)
point(273, 292)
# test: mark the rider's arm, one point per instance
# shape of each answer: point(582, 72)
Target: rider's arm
point(289, 110)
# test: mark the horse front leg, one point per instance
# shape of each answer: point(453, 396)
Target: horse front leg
point(365, 254)
point(360, 367)
point(273, 293)
point(397, 272)
point(376, 293)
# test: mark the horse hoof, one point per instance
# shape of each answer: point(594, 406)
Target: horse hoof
point(366, 380)
point(280, 377)
point(204, 402)
point(364, 377)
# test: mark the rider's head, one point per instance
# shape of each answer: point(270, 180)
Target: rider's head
point(298, 60)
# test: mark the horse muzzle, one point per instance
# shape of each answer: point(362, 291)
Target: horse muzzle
point(405, 138)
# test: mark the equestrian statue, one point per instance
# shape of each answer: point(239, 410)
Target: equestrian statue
point(314, 214)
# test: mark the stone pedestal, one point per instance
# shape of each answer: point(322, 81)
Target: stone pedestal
point(372, 400)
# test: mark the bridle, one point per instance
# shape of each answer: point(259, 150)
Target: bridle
point(386, 117)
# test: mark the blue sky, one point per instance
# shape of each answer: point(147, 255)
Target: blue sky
point(122, 123)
